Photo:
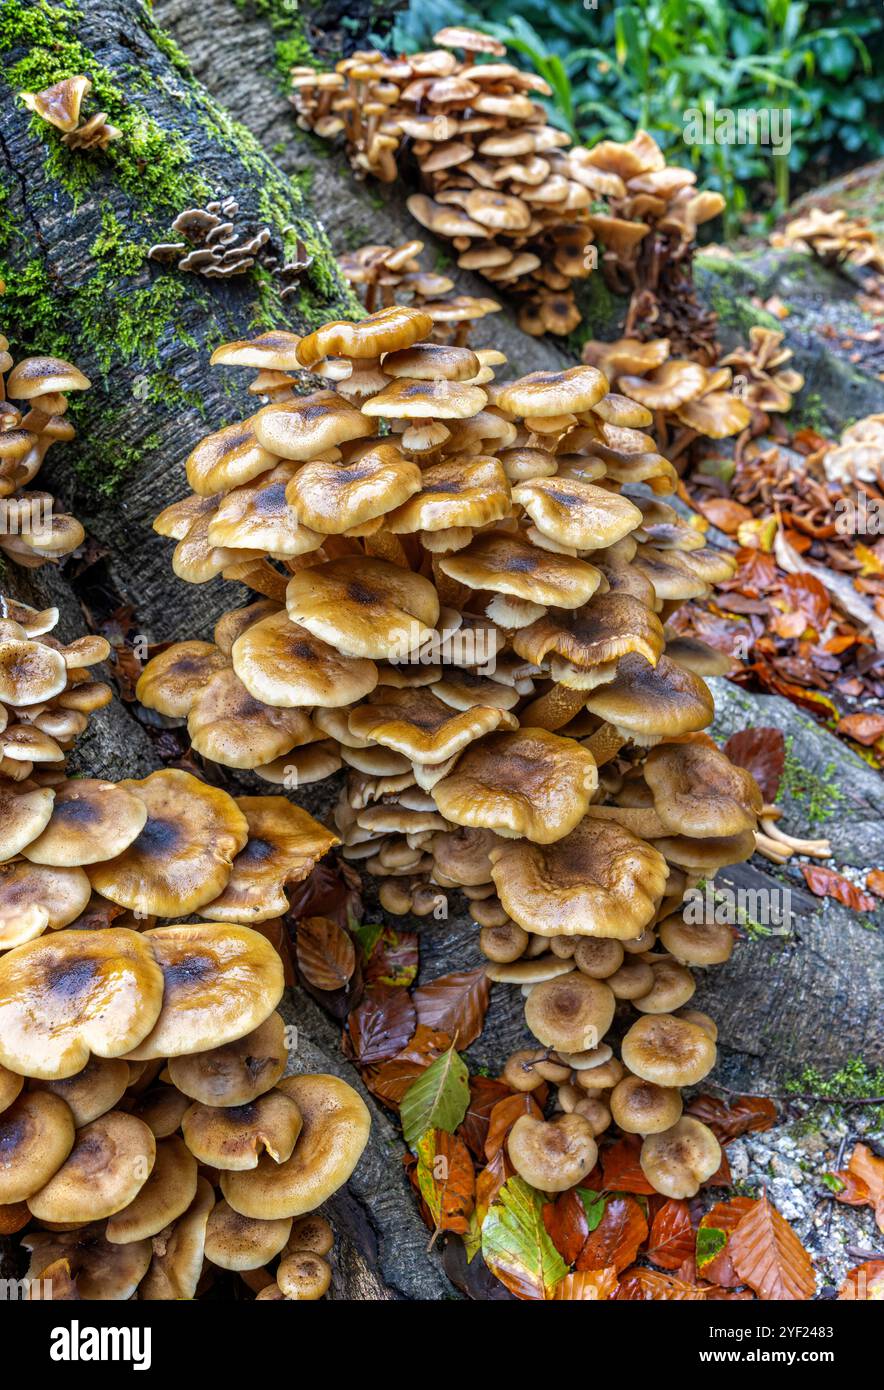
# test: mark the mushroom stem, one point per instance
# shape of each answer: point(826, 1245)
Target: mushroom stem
point(771, 849)
point(640, 820)
point(554, 709)
point(604, 744)
point(385, 546)
point(818, 849)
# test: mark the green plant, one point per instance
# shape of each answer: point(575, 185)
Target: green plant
point(650, 63)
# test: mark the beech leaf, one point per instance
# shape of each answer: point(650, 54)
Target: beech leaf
point(455, 1004)
point(447, 1180)
point(516, 1246)
point(826, 883)
point(438, 1099)
point(768, 1256)
point(587, 1284)
point(762, 751)
point(326, 954)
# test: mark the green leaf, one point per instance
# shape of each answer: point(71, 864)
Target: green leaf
point(711, 1240)
point(368, 935)
point(593, 1204)
point(438, 1099)
point(515, 1243)
point(833, 1182)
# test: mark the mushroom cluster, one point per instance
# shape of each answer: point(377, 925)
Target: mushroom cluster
point(60, 106)
point(834, 237)
point(33, 409)
point(386, 275)
point(519, 203)
point(684, 398)
point(148, 1136)
point(212, 245)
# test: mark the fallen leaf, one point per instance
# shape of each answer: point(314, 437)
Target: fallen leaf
point(455, 1004)
point(715, 1229)
point(731, 1118)
point(485, 1092)
point(621, 1168)
point(762, 751)
point(875, 881)
point(393, 958)
point(332, 889)
point(390, 1080)
point(672, 1240)
point(724, 513)
point(826, 883)
point(515, 1244)
point(446, 1180)
point(438, 1099)
point(566, 1223)
point(325, 953)
point(864, 1282)
point(768, 1256)
point(489, 1181)
point(649, 1285)
point(864, 728)
point(594, 1285)
point(616, 1239)
point(382, 1023)
point(863, 1182)
point(504, 1115)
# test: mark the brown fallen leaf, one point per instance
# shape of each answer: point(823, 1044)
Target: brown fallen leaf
point(723, 1219)
point(621, 1168)
point(485, 1092)
point(864, 1282)
point(594, 1285)
point(447, 1180)
point(863, 1180)
point(672, 1240)
point(455, 1004)
point(616, 1239)
point(724, 513)
point(504, 1115)
point(826, 883)
point(382, 1024)
point(325, 953)
point(875, 882)
point(649, 1285)
point(862, 728)
point(728, 1119)
point(762, 751)
point(565, 1220)
point(768, 1256)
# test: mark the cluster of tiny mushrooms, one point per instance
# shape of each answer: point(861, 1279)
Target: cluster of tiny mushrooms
point(834, 237)
point(519, 203)
point(60, 106)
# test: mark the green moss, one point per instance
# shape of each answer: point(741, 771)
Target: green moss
point(810, 411)
point(102, 469)
point(856, 1080)
point(818, 796)
point(292, 45)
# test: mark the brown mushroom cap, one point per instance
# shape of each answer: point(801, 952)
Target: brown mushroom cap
point(30, 672)
point(110, 1162)
point(237, 1072)
point(166, 1195)
point(549, 393)
point(574, 513)
point(240, 1242)
point(668, 1051)
point(303, 428)
point(101, 1271)
point(433, 362)
point(178, 1256)
point(335, 497)
point(227, 458)
point(33, 377)
point(336, 1125)
point(552, 1155)
point(609, 627)
point(92, 1091)
point(282, 664)
point(221, 982)
point(679, 1159)
point(506, 564)
point(463, 490)
point(182, 858)
point(599, 880)
point(365, 607)
point(303, 1276)
point(229, 725)
point(420, 726)
point(75, 993)
point(234, 1138)
point(386, 331)
point(171, 679)
point(257, 516)
point(36, 1136)
point(23, 816)
point(33, 897)
point(91, 821)
point(311, 1232)
point(572, 1012)
point(274, 351)
point(698, 791)
point(641, 1107)
point(160, 1107)
point(283, 846)
point(529, 782)
point(646, 702)
point(673, 985)
point(598, 956)
point(696, 943)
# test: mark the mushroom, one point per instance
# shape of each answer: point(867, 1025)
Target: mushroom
point(237, 1072)
point(677, 1161)
point(107, 1167)
point(235, 1137)
point(242, 1242)
point(668, 1051)
point(571, 1011)
point(641, 1107)
point(36, 1136)
point(168, 1192)
point(552, 1155)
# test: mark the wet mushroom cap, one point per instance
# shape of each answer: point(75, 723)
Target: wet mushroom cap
point(572, 1012)
point(668, 1051)
point(552, 1155)
point(110, 1162)
point(235, 1137)
point(230, 726)
point(336, 1126)
point(303, 1276)
point(30, 672)
point(241, 1242)
point(221, 982)
point(420, 726)
point(641, 1107)
point(65, 997)
point(282, 664)
point(550, 393)
point(92, 820)
point(306, 427)
point(529, 782)
point(284, 844)
point(166, 1195)
point(182, 858)
point(698, 791)
point(227, 458)
point(36, 1136)
point(677, 1161)
point(647, 700)
point(236, 1072)
point(386, 331)
point(607, 628)
point(459, 491)
point(505, 564)
point(599, 880)
point(365, 607)
point(92, 1091)
point(334, 497)
point(275, 350)
point(575, 513)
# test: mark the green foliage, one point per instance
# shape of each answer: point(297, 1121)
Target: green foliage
point(631, 63)
point(438, 1099)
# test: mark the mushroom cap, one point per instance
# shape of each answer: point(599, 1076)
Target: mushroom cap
point(33, 377)
point(335, 497)
point(672, 986)
point(469, 40)
point(598, 956)
point(234, 1138)
point(462, 855)
point(110, 1162)
point(229, 725)
point(576, 513)
point(30, 672)
point(92, 1091)
point(506, 564)
point(668, 1051)
point(336, 1127)
point(241, 1242)
point(23, 816)
point(160, 1107)
point(641, 1107)
point(696, 943)
point(33, 897)
point(425, 729)
point(307, 426)
point(718, 414)
point(463, 490)
point(36, 1136)
point(311, 1232)
point(529, 782)
point(698, 790)
point(221, 981)
point(433, 362)
point(178, 1256)
point(227, 458)
point(101, 1271)
point(166, 1195)
point(11, 1085)
point(171, 679)
point(280, 663)
point(181, 859)
point(572, 390)
point(303, 1276)
point(236, 1072)
point(238, 620)
point(75, 993)
point(364, 606)
point(609, 627)
point(552, 1155)
point(644, 700)
point(386, 331)
point(256, 516)
point(676, 1161)
point(426, 400)
point(572, 1012)
point(667, 387)
point(698, 656)
point(599, 880)
point(275, 351)
point(59, 104)
point(284, 844)
point(92, 820)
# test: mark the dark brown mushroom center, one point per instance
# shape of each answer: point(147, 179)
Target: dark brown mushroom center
point(189, 971)
point(14, 1131)
point(160, 838)
point(78, 813)
point(67, 978)
point(361, 594)
point(271, 500)
point(257, 851)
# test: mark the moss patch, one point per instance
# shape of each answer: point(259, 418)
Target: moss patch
point(819, 796)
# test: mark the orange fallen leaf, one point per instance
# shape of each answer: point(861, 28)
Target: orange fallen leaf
point(826, 883)
point(864, 1282)
point(768, 1256)
point(649, 1285)
point(587, 1284)
point(616, 1239)
point(672, 1238)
